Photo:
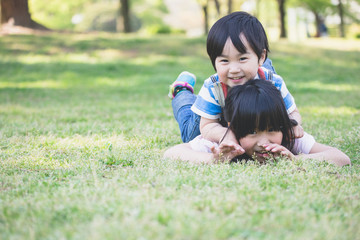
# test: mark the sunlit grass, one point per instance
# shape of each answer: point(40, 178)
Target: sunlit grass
point(339, 87)
point(84, 119)
point(330, 112)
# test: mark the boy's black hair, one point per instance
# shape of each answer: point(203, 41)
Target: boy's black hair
point(232, 26)
point(258, 106)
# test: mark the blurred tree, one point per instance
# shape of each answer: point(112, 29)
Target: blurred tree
point(230, 3)
point(16, 12)
point(124, 14)
point(348, 9)
point(204, 5)
point(217, 6)
point(282, 13)
point(341, 15)
point(320, 10)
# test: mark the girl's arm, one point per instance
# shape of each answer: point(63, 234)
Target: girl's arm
point(319, 152)
point(323, 152)
point(184, 152)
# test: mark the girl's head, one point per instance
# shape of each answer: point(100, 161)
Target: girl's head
point(237, 45)
point(258, 116)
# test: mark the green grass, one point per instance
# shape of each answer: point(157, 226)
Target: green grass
point(84, 120)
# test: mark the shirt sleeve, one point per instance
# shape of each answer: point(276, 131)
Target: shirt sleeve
point(280, 84)
point(303, 145)
point(201, 144)
point(206, 105)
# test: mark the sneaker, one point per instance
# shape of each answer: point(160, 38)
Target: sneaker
point(185, 80)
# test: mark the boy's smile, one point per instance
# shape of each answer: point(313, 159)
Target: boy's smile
point(235, 68)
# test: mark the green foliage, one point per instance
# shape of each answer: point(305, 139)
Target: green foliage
point(56, 14)
point(319, 6)
point(84, 120)
point(99, 15)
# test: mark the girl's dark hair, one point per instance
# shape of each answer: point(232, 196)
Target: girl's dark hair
point(258, 106)
point(232, 26)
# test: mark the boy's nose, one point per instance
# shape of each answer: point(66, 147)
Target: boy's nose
point(234, 68)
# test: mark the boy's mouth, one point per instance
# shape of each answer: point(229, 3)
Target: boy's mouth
point(236, 79)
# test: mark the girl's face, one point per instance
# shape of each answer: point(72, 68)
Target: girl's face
point(235, 68)
point(253, 143)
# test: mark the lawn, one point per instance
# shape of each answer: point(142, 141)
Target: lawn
point(85, 118)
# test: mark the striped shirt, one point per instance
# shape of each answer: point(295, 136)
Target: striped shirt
point(207, 105)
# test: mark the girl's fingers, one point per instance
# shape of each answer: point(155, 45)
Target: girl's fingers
point(274, 147)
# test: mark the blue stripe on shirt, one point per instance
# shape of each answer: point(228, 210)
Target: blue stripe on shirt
point(207, 107)
point(288, 100)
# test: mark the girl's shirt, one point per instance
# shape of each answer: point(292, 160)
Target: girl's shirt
point(207, 105)
point(302, 145)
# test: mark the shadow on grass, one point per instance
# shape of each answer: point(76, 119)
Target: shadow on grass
point(57, 44)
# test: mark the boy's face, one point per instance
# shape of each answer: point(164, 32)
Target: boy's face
point(235, 68)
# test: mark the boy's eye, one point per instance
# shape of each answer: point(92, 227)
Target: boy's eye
point(224, 60)
point(243, 59)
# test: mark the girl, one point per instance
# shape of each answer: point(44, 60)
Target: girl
point(257, 116)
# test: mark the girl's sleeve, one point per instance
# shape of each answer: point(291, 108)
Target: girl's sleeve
point(303, 144)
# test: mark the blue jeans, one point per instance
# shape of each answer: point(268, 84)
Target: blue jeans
point(189, 122)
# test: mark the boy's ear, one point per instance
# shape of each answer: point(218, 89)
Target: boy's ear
point(263, 57)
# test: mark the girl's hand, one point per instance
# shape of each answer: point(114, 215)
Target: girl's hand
point(226, 151)
point(278, 150)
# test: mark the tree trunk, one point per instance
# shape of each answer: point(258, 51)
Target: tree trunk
point(206, 20)
point(16, 12)
point(217, 6)
point(125, 16)
point(318, 23)
point(229, 6)
point(282, 18)
point(341, 15)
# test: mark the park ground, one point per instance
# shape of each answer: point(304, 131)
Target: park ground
point(85, 118)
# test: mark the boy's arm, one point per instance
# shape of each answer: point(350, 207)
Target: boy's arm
point(212, 130)
point(296, 116)
point(298, 130)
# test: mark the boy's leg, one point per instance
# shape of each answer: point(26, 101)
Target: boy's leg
point(268, 65)
point(189, 122)
point(181, 91)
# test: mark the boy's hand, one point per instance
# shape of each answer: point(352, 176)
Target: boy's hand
point(298, 131)
point(230, 143)
point(228, 148)
point(226, 151)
